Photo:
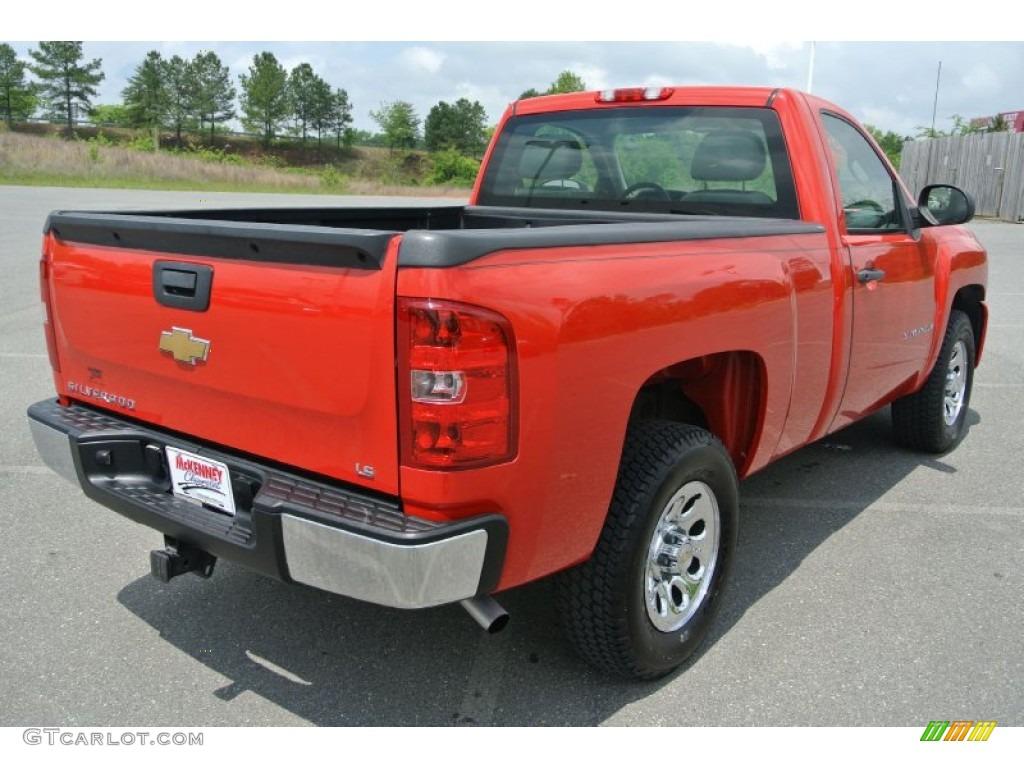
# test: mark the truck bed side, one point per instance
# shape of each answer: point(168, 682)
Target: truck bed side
point(751, 317)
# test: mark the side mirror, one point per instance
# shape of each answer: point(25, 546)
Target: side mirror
point(945, 204)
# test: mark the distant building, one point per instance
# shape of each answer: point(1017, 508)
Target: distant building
point(1014, 121)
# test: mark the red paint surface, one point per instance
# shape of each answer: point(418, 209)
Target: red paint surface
point(774, 337)
point(301, 362)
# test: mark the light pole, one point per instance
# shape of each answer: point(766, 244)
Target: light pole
point(931, 135)
point(810, 69)
point(935, 105)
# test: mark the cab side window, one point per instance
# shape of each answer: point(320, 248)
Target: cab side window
point(869, 193)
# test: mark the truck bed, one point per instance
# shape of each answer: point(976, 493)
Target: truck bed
point(357, 237)
point(299, 353)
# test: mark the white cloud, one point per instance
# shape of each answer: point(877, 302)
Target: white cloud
point(887, 119)
point(239, 65)
point(982, 79)
point(595, 77)
point(777, 54)
point(655, 79)
point(420, 59)
point(291, 62)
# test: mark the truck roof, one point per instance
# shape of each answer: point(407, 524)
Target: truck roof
point(674, 95)
point(688, 95)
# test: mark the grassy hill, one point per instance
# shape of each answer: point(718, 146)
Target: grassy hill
point(112, 157)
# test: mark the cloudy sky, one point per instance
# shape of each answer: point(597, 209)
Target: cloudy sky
point(890, 84)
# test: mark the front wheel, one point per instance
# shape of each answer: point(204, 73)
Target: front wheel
point(643, 602)
point(934, 418)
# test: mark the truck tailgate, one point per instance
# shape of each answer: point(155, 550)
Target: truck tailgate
point(291, 358)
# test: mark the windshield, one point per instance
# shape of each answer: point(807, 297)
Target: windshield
point(690, 160)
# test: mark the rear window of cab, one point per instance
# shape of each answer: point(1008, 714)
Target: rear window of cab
point(688, 160)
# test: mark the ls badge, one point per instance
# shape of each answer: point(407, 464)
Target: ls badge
point(180, 344)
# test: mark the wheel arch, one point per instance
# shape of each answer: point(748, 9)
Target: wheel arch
point(724, 392)
point(971, 301)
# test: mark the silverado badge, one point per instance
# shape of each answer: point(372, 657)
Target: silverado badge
point(183, 346)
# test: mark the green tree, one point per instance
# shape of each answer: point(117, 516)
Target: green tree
point(111, 114)
point(303, 94)
point(17, 96)
point(213, 96)
point(567, 82)
point(461, 126)
point(399, 124)
point(340, 119)
point(265, 96)
point(890, 142)
point(363, 138)
point(181, 95)
point(925, 132)
point(67, 84)
point(963, 127)
point(998, 124)
point(449, 166)
point(323, 108)
point(146, 95)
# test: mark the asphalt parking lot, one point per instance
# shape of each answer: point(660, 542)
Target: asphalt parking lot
point(873, 586)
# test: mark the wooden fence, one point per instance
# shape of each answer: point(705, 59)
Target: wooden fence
point(990, 166)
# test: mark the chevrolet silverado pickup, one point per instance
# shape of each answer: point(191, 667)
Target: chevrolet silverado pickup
point(652, 293)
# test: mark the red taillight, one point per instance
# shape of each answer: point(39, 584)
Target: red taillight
point(456, 385)
point(44, 293)
point(634, 94)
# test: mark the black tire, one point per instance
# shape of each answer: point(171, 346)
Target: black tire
point(929, 420)
point(603, 603)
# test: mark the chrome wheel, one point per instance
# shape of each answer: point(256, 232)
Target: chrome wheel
point(956, 384)
point(681, 557)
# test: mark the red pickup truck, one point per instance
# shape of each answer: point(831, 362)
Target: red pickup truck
point(652, 293)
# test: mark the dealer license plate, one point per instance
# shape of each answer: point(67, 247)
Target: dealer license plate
point(201, 480)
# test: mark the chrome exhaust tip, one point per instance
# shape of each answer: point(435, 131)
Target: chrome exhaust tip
point(486, 612)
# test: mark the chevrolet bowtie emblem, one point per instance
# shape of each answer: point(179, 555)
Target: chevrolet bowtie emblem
point(183, 346)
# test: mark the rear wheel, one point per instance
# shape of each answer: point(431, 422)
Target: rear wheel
point(646, 598)
point(934, 418)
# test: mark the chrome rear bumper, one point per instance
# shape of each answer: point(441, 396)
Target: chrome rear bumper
point(288, 526)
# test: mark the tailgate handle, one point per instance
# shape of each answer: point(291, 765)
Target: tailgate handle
point(179, 283)
point(182, 285)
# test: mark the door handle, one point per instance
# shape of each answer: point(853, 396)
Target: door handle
point(182, 285)
point(870, 275)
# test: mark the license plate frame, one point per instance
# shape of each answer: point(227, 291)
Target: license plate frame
point(200, 480)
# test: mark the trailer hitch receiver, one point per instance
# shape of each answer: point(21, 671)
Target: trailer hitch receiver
point(177, 558)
